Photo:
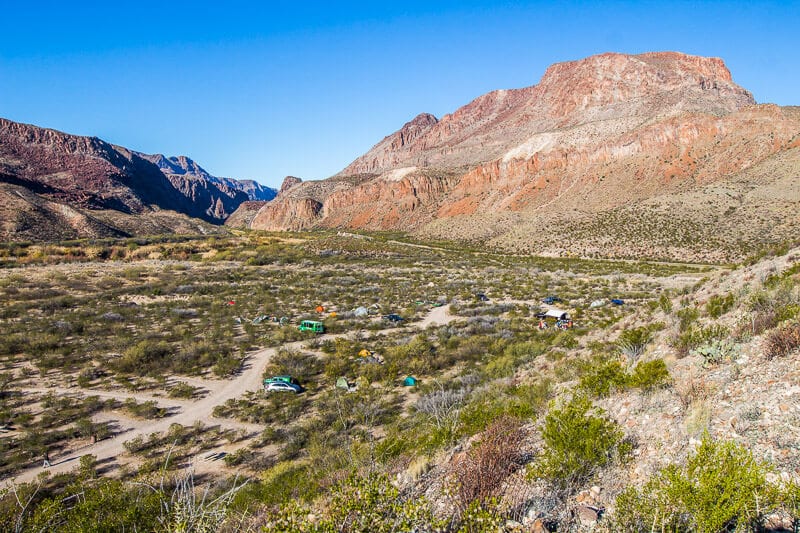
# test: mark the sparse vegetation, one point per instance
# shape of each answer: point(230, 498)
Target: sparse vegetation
point(138, 343)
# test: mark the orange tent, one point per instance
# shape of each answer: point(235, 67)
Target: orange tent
point(320, 309)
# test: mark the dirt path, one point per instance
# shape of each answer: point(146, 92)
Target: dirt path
point(219, 392)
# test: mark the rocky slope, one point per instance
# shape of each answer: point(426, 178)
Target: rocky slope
point(614, 154)
point(57, 186)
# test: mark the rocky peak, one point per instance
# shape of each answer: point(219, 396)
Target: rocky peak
point(607, 79)
point(599, 88)
point(288, 183)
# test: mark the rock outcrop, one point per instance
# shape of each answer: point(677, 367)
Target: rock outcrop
point(288, 183)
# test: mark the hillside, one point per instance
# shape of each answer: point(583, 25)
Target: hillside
point(656, 155)
point(674, 384)
point(61, 186)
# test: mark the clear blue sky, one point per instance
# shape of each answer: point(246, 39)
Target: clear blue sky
point(264, 89)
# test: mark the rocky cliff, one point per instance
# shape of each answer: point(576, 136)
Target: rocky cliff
point(67, 186)
point(611, 137)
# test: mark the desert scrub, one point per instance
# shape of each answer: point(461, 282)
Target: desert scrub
point(480, 471)
point(360, 503)
point(579, 440)
point(782, 341)
point(695, 337)
point(719, 305)
point(722, 487)
point(601, 376)
point(633, 342)
point(717, 351)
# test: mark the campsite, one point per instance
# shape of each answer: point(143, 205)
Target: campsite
point(303, 374)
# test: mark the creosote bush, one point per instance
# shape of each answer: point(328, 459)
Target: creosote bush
point(720, 488)
point(579, 440)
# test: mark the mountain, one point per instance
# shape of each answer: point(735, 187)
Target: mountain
point(184, 167)
point(656, 155)
point(59, 186)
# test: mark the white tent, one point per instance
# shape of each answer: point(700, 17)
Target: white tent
point(361, 311)
point(558, 314)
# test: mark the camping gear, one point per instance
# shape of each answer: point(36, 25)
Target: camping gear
point(342, 383)
point(410, 381)
point(617, 301)
point(558, 314)
point(361, 311)
point(597, 303)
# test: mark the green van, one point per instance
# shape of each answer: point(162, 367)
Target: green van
point(312, 325)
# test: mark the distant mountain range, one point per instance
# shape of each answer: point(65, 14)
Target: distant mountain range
point(657, 155)
point(651, 155)
point(59, 186)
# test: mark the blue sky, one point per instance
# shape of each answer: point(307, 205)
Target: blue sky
point(261, 90)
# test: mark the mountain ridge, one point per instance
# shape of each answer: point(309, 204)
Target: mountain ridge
point(595, 138)
point(104, 188)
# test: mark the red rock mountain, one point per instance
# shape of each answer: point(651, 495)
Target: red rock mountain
point(55, 186)
point(656, 155)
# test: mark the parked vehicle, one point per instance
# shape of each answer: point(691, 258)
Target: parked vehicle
point(312, 325)
point(393, 318)
point(549, 300)
point(482, 297)
point(280, 386)
point(281, 379)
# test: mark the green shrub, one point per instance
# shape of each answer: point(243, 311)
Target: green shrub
point(578, 441)
point(665, 304)
point(603, 377)
point(360, 504)
point(719, 305)
point(649, 375)
point(720, 488)
point(686, 317)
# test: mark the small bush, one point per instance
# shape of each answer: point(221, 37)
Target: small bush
point(481, 470)
point(719, 305)
point(649, 375)
point(603, 377)
point(578, 441)
point(721, 488)
point(782, 341)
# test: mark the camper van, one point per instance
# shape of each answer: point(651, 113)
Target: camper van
point(312, 325)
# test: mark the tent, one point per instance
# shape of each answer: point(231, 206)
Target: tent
point(558, 314)
point(364, 353)
point(410, 381)
point(361, 311)
point(597, 303)
point(342, 383)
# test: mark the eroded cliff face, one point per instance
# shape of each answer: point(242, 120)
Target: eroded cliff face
point(592, 135)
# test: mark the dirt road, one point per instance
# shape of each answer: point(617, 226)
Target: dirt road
point(188, 411)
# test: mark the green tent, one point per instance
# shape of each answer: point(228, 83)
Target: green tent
point(342, 383)
point(410, 381)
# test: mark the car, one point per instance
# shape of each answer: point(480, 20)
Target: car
point(282, 379)
point(482, 297)
point(393, 318)
point(551, 300)
point(281, 386)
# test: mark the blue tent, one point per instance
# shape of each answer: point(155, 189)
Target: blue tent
point(410, 381)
